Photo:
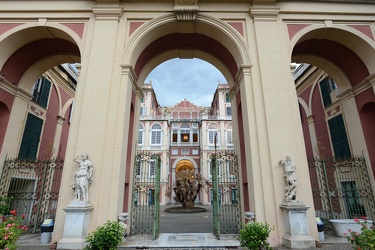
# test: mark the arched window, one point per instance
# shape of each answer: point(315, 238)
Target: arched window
point(185, 132)
point(156, 134)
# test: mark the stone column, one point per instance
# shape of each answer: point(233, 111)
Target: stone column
point(312, 132)
point(102, 107)
point(272, 126)
point(56, 140)
point(353, 123)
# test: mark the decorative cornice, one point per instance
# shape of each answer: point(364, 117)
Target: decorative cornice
point(359, 88)
point(14, 90)
point(264, 13)
point(186, 10)
point(107, 13)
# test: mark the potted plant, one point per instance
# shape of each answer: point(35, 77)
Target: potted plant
point(254, 235)
point(106, 237)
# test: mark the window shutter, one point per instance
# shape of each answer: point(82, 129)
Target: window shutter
point(31, 137)
point(324, 88)
point(338, 137)
point(45, 93)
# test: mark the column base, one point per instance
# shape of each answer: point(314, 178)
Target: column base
point(76, 225)
point(298, 241)
point(65, 244)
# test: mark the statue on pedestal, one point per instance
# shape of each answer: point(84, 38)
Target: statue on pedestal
point(291, 179)
point(82, 178)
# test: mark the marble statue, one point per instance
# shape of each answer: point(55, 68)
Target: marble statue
point(82, 178)
point(291, 179)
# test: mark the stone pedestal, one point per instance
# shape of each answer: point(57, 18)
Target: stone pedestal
point(76, 225)
point(297, 233)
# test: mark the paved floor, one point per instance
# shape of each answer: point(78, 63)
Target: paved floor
point(181, 232)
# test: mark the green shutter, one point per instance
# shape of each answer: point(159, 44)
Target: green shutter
point(45, 93)
point(338, 137)
point(31, 137)
point(326, 93)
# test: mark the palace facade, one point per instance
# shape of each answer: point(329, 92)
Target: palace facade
point(184, 136)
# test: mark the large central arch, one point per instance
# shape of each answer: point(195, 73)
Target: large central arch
point(206, 38)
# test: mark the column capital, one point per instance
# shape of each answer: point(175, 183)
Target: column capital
point(245, 69)
point(310, 119)
point(264, 13)
point(127, 69)
point(108, 13)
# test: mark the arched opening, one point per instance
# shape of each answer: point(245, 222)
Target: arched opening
point(4, 114)
point(161, 42)
point(334, 64)
point(183, 165)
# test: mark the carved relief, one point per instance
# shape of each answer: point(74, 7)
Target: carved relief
point(186, 10)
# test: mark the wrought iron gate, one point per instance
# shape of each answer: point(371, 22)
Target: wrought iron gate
point(32, 188)
point(341, 188)
point(145, 211)
point(226, 204)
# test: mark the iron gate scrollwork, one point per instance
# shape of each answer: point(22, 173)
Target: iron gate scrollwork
point(145, 213)
point(32, 188)
point(341, 188)
point(226, 203)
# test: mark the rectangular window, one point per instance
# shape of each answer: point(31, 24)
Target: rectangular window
point(195, 151)
point(353, 204)
point(41, 91)
point(234, 196)
point(174, 136)
point(229, 137)
point(338, 137)
point(174, 151)
point(185, 151)
point(142, 111)
point(31, 137)
point(211, 137)
point(156, 137)
point(140, 137)
point(227, 98)
point(195, 135)
point(151, 198)
point(326, 92)
point(229, 110)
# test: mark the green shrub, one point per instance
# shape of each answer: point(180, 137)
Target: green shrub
point(254, 235)
point(106, 237)
point(364, 240)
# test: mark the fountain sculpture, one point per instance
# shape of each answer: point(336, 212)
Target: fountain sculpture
point(186, 188)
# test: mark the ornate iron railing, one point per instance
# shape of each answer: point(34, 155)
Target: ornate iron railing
point(341, 188)
point(33, 188)
point(226, 193)
point(145, 213)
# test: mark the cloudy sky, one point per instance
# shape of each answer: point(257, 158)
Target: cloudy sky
point(177, 79)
